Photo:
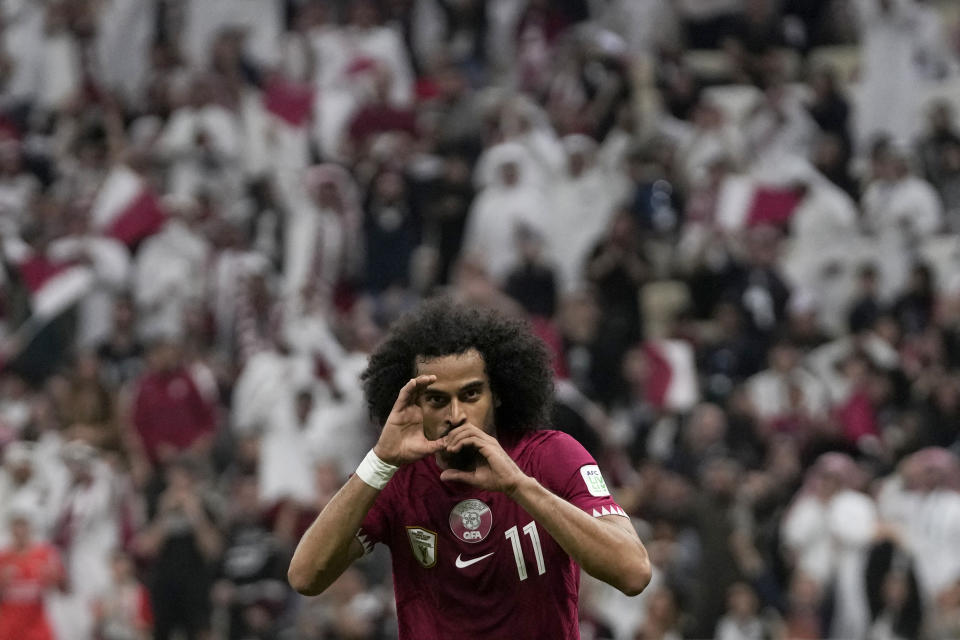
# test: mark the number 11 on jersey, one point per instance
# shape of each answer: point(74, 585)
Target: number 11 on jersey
point(514, 537)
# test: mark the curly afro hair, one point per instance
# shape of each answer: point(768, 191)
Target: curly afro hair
point(516, 360)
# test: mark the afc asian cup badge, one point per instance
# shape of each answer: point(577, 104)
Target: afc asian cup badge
point(423, 543)
point(471, 520)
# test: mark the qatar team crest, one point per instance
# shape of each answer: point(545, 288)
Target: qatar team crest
point(423, 542)
point(471, 520)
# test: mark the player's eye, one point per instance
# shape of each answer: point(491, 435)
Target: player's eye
point(471, 394)
point(436, 401)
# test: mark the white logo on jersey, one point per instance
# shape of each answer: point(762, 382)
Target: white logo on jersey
point(463, 564)
point(471, 520)
point(594, 480)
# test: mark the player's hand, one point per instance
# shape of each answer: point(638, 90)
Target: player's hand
point(402, 440)
point(495, 471)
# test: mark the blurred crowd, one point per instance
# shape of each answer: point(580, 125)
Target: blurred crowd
point(733, 222)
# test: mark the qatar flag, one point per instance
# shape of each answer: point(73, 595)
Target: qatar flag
point(746, 202)
point(127, 208)
point(671, 382)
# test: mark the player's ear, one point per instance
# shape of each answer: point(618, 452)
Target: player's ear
point(496, 401)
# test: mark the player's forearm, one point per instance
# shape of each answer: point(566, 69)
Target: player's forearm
point(607, 551)
point(324, 551)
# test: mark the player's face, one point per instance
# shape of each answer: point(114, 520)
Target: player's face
point(460, 395)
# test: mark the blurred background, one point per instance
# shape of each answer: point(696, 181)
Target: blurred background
point(734, 223)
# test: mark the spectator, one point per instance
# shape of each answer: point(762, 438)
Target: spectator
point(29, 570)
point(830, 109)
point(323, 244)
point(23, 485)
point(510, 198)
point(936, 141)
point(617, 268)
point(786, 397)
point(393, 230)
point(251, 582)
point(181, 542)
point(87, 530)
point(121, 353)
point(170, 415)
point(123, 610)
point(896, 203)
point(889, 35)
point(866, 307)
point(377, 116)
point(532, 283)
point(827, 531)
point(742, 620)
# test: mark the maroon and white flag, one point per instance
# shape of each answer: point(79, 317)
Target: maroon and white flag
point(127, 208)
point(671, 375)
point(746, 202)
point(52, 285)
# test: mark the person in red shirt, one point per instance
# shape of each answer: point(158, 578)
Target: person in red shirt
point(28, 570)
point(171, 415)
point(486, 515)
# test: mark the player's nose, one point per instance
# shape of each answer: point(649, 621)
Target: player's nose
point(456, 416)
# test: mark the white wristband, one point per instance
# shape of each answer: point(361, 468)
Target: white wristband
point(374, 471)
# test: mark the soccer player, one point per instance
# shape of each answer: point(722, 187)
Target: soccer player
point(486, 515)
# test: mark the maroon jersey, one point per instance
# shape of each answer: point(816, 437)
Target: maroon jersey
point(469, 563)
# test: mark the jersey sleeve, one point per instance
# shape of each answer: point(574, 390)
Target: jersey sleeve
point(376, 524)
point(567, 469)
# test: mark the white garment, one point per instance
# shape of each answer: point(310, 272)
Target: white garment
point(342, 83)
point(493, 221)
point(16, 193)
point(23, 41)
point(340, 430)
point(932, 536)
point(125, 30)
point(773, 137)
point(887, 100)
point(94, 525)
point(285, 469)
point(824, 361)
point(580, 210)
point(111, 268)
point(826, 214)
point(229, 275)
point(933, 54)
point(265, 381)
point(169, 276)
point(830, 541)
point(262, 21)
point(769, 393)
point(60, 71)
point(625, 615)
point(270, 144)
point(729, 628)
point(500, 209)
point(190, 172)
point(910, 204)
point(503, 18)
point(700, 147)
point(92, 511)
point(314, 248)
point(36, 496)
point(644, 24)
